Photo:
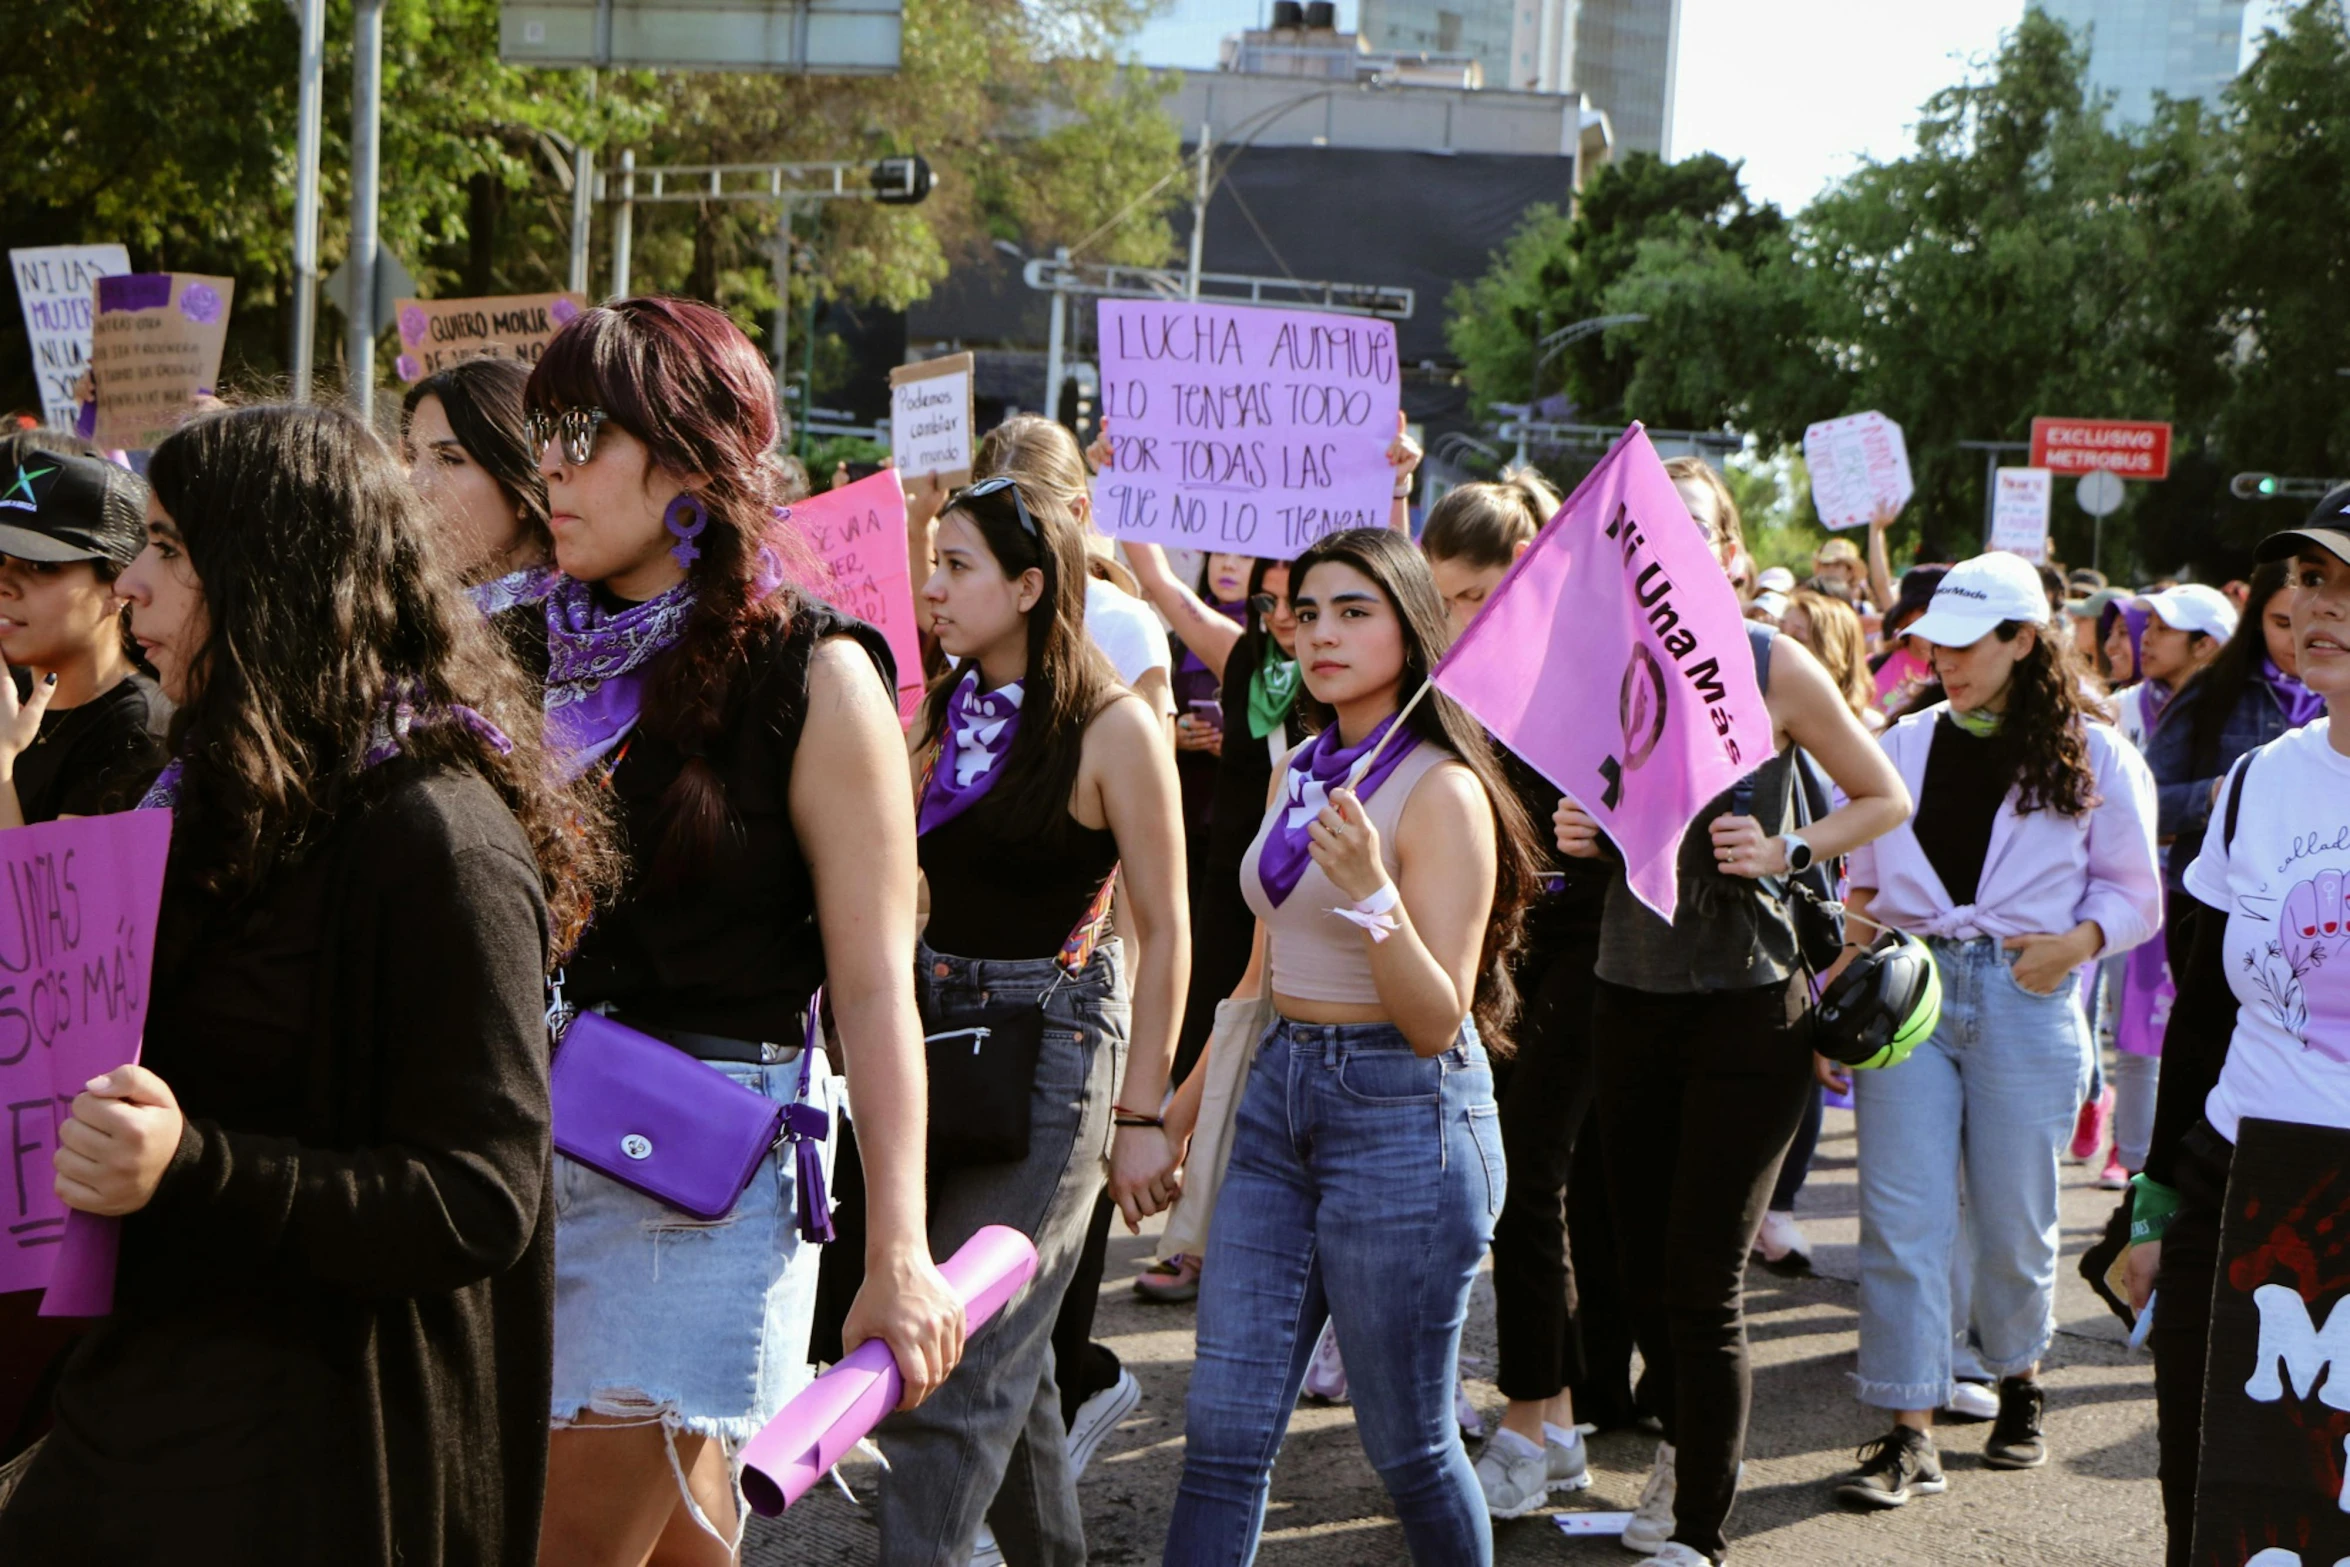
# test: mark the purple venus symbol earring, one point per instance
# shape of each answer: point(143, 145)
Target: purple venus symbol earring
point(685, 519)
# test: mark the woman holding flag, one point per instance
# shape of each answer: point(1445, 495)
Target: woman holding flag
point(1389, 878)
point(1703, 1067)
point(1042, 781)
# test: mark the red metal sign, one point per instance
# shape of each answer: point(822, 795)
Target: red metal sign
point(2126, 448)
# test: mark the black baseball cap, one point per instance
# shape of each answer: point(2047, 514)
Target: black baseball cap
point(2328, 528)
point(55, 506)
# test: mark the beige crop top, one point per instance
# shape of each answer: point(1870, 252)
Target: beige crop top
point(1316, 955)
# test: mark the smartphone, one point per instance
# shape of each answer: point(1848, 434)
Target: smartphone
point(862, 470)
point(1208, 711)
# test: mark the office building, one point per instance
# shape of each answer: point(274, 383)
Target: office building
point(1620, 54)
point(2137, 48)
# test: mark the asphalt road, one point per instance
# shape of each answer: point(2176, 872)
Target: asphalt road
point(2094, 1505)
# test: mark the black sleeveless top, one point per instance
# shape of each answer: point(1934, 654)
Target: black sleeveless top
point(996, 895)
point(734, 950)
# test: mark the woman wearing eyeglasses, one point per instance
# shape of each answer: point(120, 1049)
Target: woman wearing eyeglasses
point(750, 743)
point(1042, 780)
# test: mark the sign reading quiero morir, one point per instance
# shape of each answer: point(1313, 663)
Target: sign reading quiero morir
point(437, 333)
point(1253, 432)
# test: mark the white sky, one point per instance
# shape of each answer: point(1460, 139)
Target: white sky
point(1799, 89)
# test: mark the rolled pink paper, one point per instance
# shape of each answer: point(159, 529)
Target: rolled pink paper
point(833, 1413)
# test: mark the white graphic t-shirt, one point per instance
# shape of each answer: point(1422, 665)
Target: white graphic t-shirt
point(2288, 943)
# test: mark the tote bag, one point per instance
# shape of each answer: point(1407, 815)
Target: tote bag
point(1232, 1048)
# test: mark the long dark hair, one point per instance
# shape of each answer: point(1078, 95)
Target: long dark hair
point(483, 399)
point(681, 377)
point(1401, 572)
point(1068, 679)
point(1253, 629)
point(2222, 684)
point(2045, 727)
point(325, 608)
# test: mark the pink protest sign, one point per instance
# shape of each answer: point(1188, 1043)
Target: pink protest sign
point(77, 919)
point(859, 531)
point(1249, 431)
point(1613, 658)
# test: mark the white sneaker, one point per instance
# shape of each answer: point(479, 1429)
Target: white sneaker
point(1651, 1528)
point(1464, 1413)
point(1098, 1416)
point(1781, 1244)
point(1514, 1474)
point(1326, 1373)
point(1972, 1401)
point(985, 1552)
point(1675, 1554)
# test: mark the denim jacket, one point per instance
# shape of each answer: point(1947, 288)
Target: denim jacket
point(2182, 788)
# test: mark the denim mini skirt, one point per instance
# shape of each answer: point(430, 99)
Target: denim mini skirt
point(701, 1325)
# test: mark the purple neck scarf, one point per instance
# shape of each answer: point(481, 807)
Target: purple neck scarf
point(596, 666)
point(979, 733)
point(1320, 766)
point(2300, 704)
point(530, 585)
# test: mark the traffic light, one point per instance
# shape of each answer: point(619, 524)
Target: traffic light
point(901, 182)
point(2254, 486)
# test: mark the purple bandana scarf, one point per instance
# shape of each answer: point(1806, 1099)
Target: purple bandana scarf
point(1320, 766)
point(979, 733)
point(596, 666)
point(383, 743)
point(2300, 704)
point(530, 585)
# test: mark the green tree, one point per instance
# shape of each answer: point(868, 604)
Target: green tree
point(1558, 270)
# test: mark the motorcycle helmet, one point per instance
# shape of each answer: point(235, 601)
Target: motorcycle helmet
point(1882, 1006)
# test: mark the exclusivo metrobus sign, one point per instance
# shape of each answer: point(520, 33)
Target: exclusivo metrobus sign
point(2125, 448)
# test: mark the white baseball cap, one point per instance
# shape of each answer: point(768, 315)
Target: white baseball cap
point(1976, 596)
point(1778, 579)
point(2193, 607)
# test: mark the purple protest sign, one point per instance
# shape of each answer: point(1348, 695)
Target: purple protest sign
point(1613, 658)
point(77, 920)
point(1253, 432)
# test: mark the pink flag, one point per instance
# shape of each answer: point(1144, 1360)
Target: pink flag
point(1613, 658)
point(859, 532)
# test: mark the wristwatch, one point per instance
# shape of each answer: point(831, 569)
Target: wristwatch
point(1799, 855)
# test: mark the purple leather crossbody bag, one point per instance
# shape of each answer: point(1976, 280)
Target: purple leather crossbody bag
point(676, 1128)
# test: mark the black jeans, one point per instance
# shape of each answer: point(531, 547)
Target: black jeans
point(2182, 1326)
point(1796, 1167)
point(1701, 1095)
point(1545, 1090)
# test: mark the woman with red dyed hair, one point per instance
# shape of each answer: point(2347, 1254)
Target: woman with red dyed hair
point(683, 666)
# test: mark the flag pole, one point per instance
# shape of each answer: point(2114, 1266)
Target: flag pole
point(1354, 774)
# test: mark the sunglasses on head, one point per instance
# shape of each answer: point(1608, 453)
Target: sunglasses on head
point(997, 486)
point(577, 427)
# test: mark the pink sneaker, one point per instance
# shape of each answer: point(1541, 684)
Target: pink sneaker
point(1171, 1282)
point(2090, 1126)
point(1325, 1373)
point(2113, 1177)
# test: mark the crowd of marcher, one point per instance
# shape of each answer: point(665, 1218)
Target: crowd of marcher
point(1183, 892)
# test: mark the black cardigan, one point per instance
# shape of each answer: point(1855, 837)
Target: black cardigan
point(334, 1319)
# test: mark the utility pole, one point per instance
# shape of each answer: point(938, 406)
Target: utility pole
point(367, 60)
point(310, 84)
point(624, 224)
point(1056, 341)
point(1199, 215)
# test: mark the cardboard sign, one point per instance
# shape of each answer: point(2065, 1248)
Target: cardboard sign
point(2019, 512)
point(1250, 431)
point(1857, 465)
point(1614, 660)
point(930, 423)
point(859, 532)
point(2276, 1392)
point(57, 285)
point(2131, 448)
point(155, 348)
point(437, 333)
point(77, 923)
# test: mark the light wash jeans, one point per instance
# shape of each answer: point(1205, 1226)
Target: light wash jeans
point(1988, 1100)
point(1362, 1189)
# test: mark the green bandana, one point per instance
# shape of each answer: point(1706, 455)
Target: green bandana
point(1981, 723)
point(1272, 691)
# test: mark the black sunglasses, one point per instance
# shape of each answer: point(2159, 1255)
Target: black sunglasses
point(1264, 604)
point(578, 428)
point(997, 486)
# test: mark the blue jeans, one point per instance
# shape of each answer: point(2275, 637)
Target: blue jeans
point(1363, 1186)
point(1989, 1100)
